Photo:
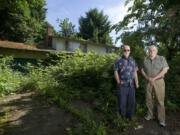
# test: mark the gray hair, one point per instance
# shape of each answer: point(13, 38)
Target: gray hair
point(126, 46)
point(152, 46)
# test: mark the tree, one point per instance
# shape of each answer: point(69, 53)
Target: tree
point(155, 20)
point(95, 27)
point(22, 20)
point(132, 38)
point(67, 29)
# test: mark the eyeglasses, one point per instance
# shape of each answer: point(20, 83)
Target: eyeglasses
point(126, 50)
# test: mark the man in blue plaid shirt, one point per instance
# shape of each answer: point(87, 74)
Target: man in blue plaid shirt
point(125, 72)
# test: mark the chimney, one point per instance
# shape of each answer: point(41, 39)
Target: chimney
point(49, 35)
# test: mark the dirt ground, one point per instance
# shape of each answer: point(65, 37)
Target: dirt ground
point(29, 114)
point(152, 127)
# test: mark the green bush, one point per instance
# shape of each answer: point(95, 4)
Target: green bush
point(10, 81)
point(173, 84)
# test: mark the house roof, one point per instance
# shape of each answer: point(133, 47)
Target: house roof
point(19, 46)
point(9, 44)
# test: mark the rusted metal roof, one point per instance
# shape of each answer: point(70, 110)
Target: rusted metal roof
point(21, 46)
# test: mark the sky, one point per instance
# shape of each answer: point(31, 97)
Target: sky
point(74, 9)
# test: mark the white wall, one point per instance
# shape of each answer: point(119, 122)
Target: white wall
point(72, 46)
point(58, 44)
point(97, 49)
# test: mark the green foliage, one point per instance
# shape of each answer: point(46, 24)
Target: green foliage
point(86, 70)
point(88, 129)
point(38, 79)
point(140, 109)
point(158, 19)
point(122, 123)
point(132, 38)
point(23, 20)
point(172, 106)
point(173, 84)
point(10, 81)
point(95, 27)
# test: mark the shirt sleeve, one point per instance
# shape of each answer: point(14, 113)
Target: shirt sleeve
point(164, 63)
point(116, 66)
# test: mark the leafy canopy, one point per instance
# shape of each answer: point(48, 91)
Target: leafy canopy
point(22, 20)
point(95, 26)
point(153, 20)
point(67, 29)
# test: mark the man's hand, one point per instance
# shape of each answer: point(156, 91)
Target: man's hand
point(151, 80)
point(120, 82)
point(137, 86)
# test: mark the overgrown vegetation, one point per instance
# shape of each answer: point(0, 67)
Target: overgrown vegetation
point(83, 84)
point(10, 81)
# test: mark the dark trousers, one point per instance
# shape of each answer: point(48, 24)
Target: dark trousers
point(126, 101)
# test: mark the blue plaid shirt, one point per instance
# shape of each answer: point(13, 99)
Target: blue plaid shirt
point(126, 68)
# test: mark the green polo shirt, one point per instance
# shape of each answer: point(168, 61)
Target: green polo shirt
point(153, 67)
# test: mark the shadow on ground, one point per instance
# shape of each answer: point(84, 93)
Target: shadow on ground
point(29, 114)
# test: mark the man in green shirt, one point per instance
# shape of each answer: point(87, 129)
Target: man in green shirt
point(154, 69)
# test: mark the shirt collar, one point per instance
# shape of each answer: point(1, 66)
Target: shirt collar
point(154, 58)
point(126, 58)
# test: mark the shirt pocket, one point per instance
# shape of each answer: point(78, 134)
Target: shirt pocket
point(158, 65)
